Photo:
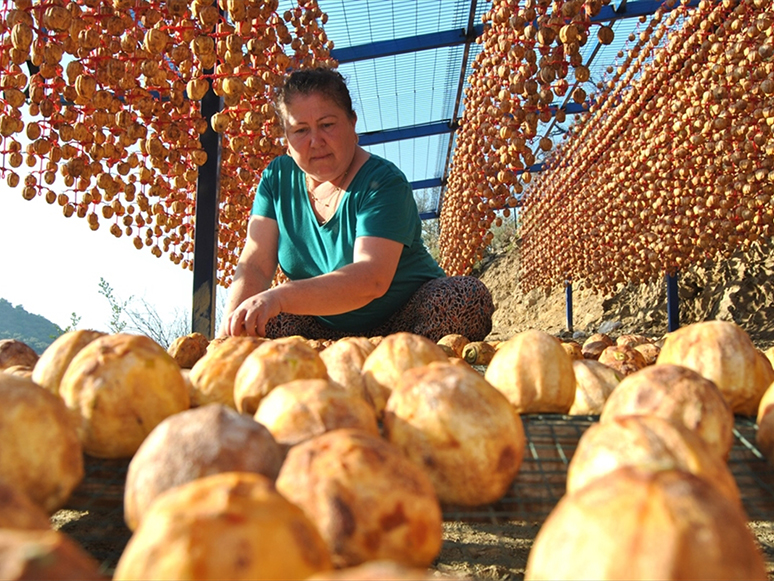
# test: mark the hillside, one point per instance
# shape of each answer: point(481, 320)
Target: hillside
point(34, 330)
point(740, 289)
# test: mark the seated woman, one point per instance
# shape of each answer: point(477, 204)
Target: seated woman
point(344, 228)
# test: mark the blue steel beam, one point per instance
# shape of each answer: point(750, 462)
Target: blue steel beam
point(619, 10)
point(436, 128)
point(570, 108)
point(428, 183)
point(410, 132)
point(534, 168)
point(397, 46)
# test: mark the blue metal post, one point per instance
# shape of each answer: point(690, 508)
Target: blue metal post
point(205, 263)
point(673, 303)
point(568, 304)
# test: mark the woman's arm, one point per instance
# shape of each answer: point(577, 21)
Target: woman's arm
point(255, 269)
point(346, 289)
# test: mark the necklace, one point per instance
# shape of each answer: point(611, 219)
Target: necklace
point(326, 201)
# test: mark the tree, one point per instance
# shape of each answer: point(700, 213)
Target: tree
point(34, 330)
point(148, 321)
point(430, 236)
point(140, 316)
point(117, 307)
point(75, 320)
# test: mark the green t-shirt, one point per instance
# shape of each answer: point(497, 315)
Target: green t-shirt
point(379, 202)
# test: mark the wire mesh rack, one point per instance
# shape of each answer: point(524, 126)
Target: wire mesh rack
point(94, 514)
point(551, 443)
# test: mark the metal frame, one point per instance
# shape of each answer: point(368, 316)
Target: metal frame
point(205, 244)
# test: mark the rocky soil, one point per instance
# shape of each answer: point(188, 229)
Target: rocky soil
point(739, 289)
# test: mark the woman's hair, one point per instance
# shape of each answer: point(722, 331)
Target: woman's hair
point(325, 81)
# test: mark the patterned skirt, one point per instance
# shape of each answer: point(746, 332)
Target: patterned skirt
point(442, 306)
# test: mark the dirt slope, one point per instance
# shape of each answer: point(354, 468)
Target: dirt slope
point(739, 289)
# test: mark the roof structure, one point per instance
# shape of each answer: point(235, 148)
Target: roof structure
point(408, 61)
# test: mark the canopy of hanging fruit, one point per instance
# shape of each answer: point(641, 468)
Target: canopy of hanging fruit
point(100, 110)
point(672, 163)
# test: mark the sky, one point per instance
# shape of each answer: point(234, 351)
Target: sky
point(52, 265)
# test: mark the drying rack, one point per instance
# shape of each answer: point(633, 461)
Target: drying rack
point(96, 520)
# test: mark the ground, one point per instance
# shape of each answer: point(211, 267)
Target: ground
point(739, 289)
point(486, 550)
point(482, 551)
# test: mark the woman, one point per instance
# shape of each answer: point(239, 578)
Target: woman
point(343, 226)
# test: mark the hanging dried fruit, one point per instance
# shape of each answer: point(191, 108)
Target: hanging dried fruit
point(114, 109)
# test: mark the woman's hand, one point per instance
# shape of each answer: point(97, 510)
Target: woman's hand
point(255, 270)
point(252, 314)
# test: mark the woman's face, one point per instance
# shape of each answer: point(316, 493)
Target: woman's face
point(320, 136)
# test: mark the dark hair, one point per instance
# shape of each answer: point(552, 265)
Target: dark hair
point(328, 82)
